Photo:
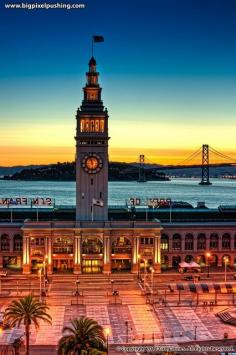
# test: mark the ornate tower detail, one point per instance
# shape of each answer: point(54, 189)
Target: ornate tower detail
point(92, 152)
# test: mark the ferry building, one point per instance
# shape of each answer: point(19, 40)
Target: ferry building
point(95, 239)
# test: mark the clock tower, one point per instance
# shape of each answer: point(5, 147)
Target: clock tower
point(92, 152)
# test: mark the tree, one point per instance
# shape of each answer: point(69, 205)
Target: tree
point(26, 311)
point(83, 337)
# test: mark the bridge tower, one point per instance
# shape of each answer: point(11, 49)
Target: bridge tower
point(142, 175)
point(205, 165)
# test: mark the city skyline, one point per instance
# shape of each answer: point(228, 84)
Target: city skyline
point(167, 71)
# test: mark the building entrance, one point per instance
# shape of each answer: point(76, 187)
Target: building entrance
point(63, 265)
point(93, 266)
point(121, 265)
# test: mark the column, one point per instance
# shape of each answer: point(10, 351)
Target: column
point(77, 254)
point(195, 243)
point(135, 254)
point(106, 254)
point(1, 262)
point(232, 241)
point(207, 241)
point(11, 240)
point(170, 249)
point(26, 254)
point(157, 254)
point(182, 243)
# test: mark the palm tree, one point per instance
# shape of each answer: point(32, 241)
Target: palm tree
point(26, 311)
point(84, 336)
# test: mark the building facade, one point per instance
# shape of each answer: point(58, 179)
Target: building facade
point(94, 243)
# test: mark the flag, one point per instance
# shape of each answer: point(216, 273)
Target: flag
point(97, 202)
point(98, 39)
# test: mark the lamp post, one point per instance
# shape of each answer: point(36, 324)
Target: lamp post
point(115, 293)
point(40, 285)
point(226, 260)
point(145, 273)
point(112, 285)
point(77, 290)
point(127, 331)
point(195, 332)
point(152, 282)
point(107, 332)
point(208, 264)
point(138, 266)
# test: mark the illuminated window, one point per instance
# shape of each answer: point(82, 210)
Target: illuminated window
point(87, 126)
point(92, 126)
point(101, 126)
point(97, 126)
point(82, 124)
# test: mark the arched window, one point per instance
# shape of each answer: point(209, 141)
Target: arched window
point(18, 242)
point(201, 241)
point(82, 126)
point(5, 242)
point(176, 245)
point(96, 125)
point(63, 245)
point(92, 126)
point(102, 126)
point(226, 241)
point(214, 241)
point(189, 241)
point(121, 245)
point(164, 242)
point(92, 246)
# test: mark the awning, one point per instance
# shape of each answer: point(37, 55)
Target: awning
point(203, 287)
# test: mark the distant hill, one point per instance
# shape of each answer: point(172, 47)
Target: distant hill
point(66, 172)
point(10, 170)
point(118, 171)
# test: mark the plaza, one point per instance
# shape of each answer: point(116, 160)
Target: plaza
point(135, 317)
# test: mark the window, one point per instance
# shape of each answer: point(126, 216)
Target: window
point(201, 241)
point(5, 242)
point(82, 126)
point(97, 126)
point(146, 241)
point(189, 242)
point(102, 126)
point(214, 241)
point(17, 242)
point(176, 245)
point(226, 241)
point(164, 242)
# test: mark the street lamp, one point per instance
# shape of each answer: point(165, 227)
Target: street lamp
point(195, 332)
point(145, 273)
point(152, 281)
point(226, 260)
point(115, 293)
point(77, 290)
point(107, 332)
point(138, 266)
point(127, 331)
point(208, 264)
point(40, 285)
point(112, 285)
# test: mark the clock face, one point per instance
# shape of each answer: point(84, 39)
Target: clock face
point(92, 163)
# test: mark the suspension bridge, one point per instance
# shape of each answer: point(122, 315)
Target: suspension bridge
point(201, 158)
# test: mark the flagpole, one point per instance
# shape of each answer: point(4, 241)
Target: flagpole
point(92, 212)
point(92, 46)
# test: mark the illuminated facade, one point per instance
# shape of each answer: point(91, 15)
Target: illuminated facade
point(92, 243)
